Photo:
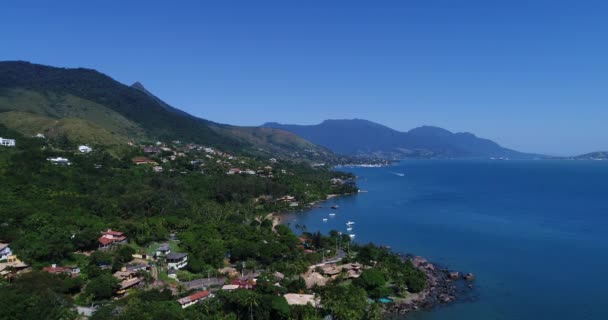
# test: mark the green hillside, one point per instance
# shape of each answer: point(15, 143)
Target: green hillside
point(90, 107)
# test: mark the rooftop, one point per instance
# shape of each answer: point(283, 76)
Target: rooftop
point(176, 255)
point(194, 297)
point(300, 299)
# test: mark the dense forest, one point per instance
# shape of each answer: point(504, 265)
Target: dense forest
point(54, 214)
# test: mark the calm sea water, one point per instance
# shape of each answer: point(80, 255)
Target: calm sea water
point(535, 233)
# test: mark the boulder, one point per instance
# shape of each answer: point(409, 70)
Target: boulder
point(454, 275)
point(469, 277)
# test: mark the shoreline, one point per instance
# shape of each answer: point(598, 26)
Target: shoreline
point(444, 286)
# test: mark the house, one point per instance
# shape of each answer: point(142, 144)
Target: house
point(125, 274)
point(248, 171)
point(59, 161)
point(12, 266)
point(234, 171)
point(110, 238)
point(40, 135)
point(287, 198)
point(194, 298)
point(172, 273)
point(5, 251)
point(294, 299)
point(138, 267)
point(143, 160)
point(176, 260)
point(7, 142)
point(230, 287)
point(162, 251)
point(157, 169)
point(85, 149)
point(70, 271)
point(243, 284)
point(351, 270)
point(128, 279)
point(151, 150)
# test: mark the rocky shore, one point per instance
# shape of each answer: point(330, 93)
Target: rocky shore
point(443, 287)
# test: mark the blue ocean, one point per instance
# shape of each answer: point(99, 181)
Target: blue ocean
point(535, 233)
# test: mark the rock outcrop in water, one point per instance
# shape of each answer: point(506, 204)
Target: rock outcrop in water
point(443, 286)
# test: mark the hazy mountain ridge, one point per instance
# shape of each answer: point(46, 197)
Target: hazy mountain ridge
point(598, 155)
point(365, 138)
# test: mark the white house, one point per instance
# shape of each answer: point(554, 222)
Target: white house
point(7, 142)
point(162, 251)
point(5, 251)
point(176, 260)
point(59, 160)
point(85, 149)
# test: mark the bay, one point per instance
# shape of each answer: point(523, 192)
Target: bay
point(535, 233)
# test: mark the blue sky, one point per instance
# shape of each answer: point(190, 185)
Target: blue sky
point(531, 75)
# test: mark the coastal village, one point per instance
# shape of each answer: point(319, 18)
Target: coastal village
point(165, 265)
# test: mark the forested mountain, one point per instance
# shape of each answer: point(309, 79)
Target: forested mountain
point(87, 106)
point(364, 138)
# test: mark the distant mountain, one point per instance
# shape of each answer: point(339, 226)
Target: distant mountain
point(599, 155)
point(90, 107)
point(364, 138)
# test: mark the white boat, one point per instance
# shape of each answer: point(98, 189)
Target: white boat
point(351, 235)
point(350, 223)
point(349, 229)
point(332, 214)
point(324, 219)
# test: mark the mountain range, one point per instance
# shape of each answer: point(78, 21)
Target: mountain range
point(362, 138)
point(87, 106)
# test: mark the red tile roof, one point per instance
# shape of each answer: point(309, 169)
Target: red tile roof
point(142, 160)
point(194, 297)
point(55, 269)
point(113, 233)
point(105, 241)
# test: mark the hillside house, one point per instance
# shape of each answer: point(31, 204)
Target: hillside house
point(84, 149)
point(176, 261)
point(139, 267)
point(234, 171)
point(5, 251)
point(59, 161)
point(152, 150)
point(70, 271)
point(194, 299)
point(143, 160)
point(7, 142)
point(244, 284)
point(162, 251)
point(128, 279)
point(110, 238)
point(12, 267)
point(294, 299)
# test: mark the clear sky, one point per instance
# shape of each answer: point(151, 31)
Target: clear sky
point(531, 75)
